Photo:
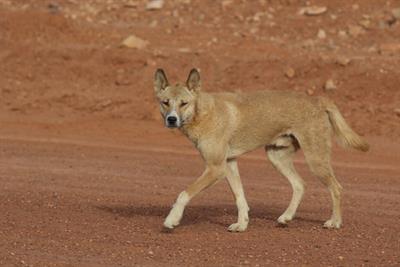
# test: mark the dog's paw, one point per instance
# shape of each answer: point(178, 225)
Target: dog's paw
point(173, 218)
point(237, 227)
point(170, 222)
point(333, 224)
point(284, 219)
point(169, 225)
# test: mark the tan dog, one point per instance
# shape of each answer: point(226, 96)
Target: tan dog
point(223, 126)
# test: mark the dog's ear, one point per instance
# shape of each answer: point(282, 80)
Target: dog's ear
point(193, 82)
point(160, 80)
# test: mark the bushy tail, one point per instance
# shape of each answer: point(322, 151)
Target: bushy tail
point(345, 135)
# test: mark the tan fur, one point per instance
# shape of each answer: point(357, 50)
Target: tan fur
point(346, 136)
point(224, 126)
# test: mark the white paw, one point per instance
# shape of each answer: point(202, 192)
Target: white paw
point(284, 219)
point(176, 213)
point(170, 224)
point(174, 217)
point(237, 227)
point(333, 223)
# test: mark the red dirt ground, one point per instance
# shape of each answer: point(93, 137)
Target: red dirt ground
point(88, 172)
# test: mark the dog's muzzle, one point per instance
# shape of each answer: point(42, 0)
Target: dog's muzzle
point(172, 120)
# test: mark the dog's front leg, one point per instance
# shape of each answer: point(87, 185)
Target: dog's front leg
point(210, 176)
point(235, 183)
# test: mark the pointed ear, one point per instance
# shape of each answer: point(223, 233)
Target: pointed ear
point(160, 80)
point(193, 82)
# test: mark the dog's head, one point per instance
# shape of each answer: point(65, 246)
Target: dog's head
point(177, 102)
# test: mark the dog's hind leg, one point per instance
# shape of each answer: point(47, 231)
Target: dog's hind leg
point(235, 184)
point(281, 156)
point(317, 151)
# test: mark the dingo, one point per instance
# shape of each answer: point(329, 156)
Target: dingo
point(223, 126)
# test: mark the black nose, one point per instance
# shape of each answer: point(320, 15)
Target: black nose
point(172, 119)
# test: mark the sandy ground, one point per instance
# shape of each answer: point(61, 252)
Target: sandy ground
point(88, 172)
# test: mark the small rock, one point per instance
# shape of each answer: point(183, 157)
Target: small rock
point(342, 34)
point(343, 61)
point(372, 49)
point(184, 50)
point(396, 13)
point(355, 30)
point(310, 91)
point(131, 4)
point(226, 3)
point(121, 80)
point(397, 111)
point(341, 258)
point(53, 7)
point(365, 23)
point(133, 41)
point(313, 10)
point(155, 4)
point(329, 85)
point(321, 34)
point(290, 72)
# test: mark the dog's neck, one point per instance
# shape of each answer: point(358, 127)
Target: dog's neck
point(205, 107)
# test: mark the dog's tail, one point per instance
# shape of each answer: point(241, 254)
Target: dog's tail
point(345, 135)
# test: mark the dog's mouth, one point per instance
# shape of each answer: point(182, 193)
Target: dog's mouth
point(172, 126)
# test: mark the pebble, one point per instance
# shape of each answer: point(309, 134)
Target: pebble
point(343, 61)
point(313, 10)
point(355, 30)
point(133, 41)
point(397, 111)
point(330, 85)
point(321, 34)
point(290, 72)
point(342, 34)
point(226, 3)
point(155, 4)
point(131, 4)
point(121, 80)
point(184, 50)
point(365, 23)
point(396, 13)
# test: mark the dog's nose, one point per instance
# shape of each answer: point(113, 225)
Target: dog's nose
point(172, 119)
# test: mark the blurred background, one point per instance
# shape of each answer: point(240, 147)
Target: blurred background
point(88, 172)
point(63, 61)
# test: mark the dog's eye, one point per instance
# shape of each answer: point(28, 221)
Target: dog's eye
point(184, 104)
point(165, 103)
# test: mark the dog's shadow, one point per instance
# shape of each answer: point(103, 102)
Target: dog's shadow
point(198, 213)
